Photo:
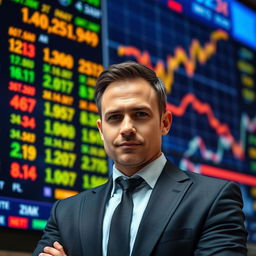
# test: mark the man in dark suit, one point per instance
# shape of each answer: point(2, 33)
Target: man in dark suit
point(168, 211)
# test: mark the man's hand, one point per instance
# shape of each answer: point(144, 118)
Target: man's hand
point(56, 250)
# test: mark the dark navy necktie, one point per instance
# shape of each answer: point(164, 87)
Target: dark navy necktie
point(119, 235)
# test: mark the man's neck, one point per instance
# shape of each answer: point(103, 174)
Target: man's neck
point(129, 170)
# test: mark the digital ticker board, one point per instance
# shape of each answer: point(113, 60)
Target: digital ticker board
point(50, 56)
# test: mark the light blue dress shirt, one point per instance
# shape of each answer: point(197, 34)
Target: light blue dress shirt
point(141, 195)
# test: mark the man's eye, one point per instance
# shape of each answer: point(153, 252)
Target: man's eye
point(141, 114)
point(114, 117)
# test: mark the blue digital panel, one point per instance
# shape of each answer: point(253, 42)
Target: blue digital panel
point(210, 82)
point(244, 24)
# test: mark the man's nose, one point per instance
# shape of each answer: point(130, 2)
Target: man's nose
point(127, 128)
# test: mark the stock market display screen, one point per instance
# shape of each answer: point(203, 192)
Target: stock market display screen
point(204, 51)
point(51, 53)
point(50, 56)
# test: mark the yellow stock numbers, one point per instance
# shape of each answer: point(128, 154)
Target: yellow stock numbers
point(59, 27)
point(88, 118)
point(92, 150)
point(56, 128)
point(89, 68)
point(94, 164)
point(57, 71)
point(57, 97)
point(59, 143)
point(57, 84)
point(60, 158)
point(22, 34)
point(91, 136)
point(92, 181)
point(23, 48)
point(22, 135)
point(58, 58)
point(58, 111)
point(60, 177)
point(23, 151)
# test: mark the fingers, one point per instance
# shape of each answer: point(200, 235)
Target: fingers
point(56, 250)
point(59, 247)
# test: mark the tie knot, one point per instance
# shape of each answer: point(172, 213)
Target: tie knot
point(129, 184)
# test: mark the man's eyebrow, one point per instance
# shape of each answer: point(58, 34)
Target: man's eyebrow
point(139, 108)
point(111, 112)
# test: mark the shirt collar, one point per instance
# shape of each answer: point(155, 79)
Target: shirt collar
point(149, 173)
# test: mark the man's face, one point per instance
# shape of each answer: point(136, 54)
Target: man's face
point(131, 125)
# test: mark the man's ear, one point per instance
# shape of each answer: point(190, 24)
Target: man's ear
point(99, 125)
point(166, 122)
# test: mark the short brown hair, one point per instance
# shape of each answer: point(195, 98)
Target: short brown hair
point(130, 70)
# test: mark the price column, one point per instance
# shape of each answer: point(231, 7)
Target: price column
point(246, 67)
point(93, 157)
point(59, 129)
point(247, 77)
point(23, 152)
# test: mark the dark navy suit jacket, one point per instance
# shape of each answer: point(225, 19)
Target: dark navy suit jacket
point(187, 214)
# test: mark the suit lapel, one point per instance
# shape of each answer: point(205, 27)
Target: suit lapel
point(165, 198)
point(92, 214)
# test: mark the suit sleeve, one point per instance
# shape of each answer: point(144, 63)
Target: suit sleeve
point(224, 233)
point(51, 232)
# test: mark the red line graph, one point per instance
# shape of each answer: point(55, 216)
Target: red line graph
point(204, 108)
point(197, 143)
point(228, 175)
point(165, 70)
point(176, 6)
point(219, 173)
point(197, 53)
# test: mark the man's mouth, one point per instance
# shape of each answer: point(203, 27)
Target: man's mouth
point(129, 144)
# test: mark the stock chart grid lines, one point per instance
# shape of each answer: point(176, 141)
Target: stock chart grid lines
point(206, 73)
point(162, 39)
